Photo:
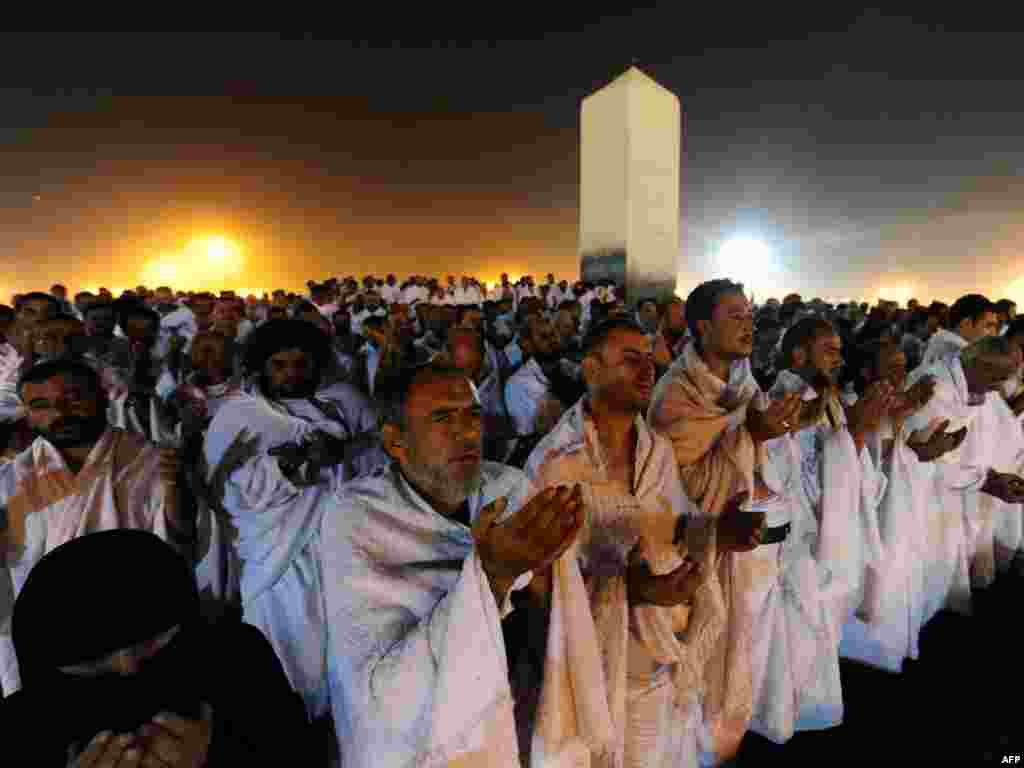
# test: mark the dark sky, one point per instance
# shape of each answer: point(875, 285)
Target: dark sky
point(872, 154)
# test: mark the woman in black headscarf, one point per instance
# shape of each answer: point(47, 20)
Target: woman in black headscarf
point(117, 663)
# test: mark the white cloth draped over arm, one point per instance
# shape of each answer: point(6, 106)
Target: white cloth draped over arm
point(417, 664)
point(11, 407)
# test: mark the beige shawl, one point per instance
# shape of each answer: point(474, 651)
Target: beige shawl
point(704, 418)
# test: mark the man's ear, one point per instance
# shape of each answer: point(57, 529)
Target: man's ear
point(589, 367)
point(393, 442)
point(703, 328)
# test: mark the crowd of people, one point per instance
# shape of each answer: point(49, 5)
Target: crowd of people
point(437, 524)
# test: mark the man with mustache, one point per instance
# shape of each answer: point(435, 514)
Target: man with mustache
point(633, 553)
point(712, 409)
point(79, 475)
point(978, 483)
point(533, 403)
point(418, 567)
point(970, 318)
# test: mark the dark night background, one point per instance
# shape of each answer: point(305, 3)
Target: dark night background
point(873, 154)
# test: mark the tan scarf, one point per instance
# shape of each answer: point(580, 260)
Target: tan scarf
point(695, 409)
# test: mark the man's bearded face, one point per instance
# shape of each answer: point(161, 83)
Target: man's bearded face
point(892, 366)
point(66, 412)
point(54, 338)
point(290, 373)
point(825, 357)
point(441, 446)
point(210, 359)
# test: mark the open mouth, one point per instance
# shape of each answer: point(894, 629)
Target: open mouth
point(472, 457)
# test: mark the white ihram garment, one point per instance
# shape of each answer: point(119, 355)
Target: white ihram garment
point(955, 481)
point(418, 671)
point(117, 487)
point(276, 528)
point(653, 657)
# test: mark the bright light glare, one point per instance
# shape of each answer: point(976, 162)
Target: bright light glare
point(749, 261)
point(745, 251)
point(218, 251)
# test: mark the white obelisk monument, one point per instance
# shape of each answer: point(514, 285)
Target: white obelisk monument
point(630, 141)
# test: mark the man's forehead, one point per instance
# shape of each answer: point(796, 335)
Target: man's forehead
point(732, 301)
point(626, 340)
point(432, 393)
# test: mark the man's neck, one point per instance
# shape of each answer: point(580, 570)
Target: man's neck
point(76, 456)
point(616, 428)
point(718, 365)
point(453, 511)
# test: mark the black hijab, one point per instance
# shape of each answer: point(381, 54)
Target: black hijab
point(89, 598)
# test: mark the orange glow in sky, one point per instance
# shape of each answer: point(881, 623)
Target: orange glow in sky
point(209, 263)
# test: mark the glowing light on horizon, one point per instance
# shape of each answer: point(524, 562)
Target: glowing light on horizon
point(749, 261)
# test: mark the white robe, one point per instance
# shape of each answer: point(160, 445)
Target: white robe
point(844, 490)
point(11, 407)
point(941, 345)
point(117, 487)
point(953, 520)
point(418, 671)
point(896, 593)
point(795, 664)
point(528, 399)
point(275, 527)
point(652, 656)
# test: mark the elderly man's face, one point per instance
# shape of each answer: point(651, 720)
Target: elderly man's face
point(65, 411)
point(290, 373)
point(440, 447)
